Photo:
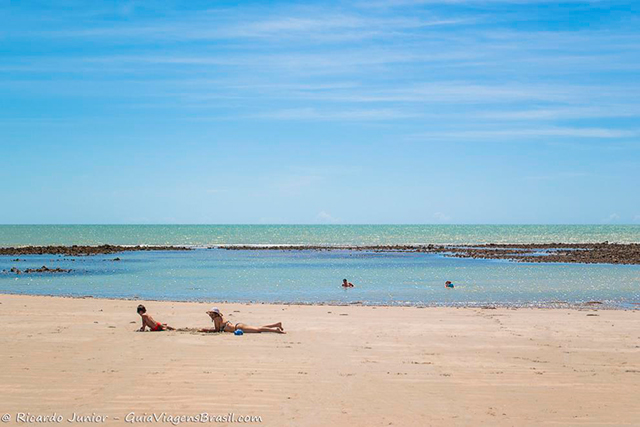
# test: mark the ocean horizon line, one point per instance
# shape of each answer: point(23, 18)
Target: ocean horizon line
point(634, 224)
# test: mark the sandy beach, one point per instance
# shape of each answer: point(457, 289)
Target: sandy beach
point(340, 366)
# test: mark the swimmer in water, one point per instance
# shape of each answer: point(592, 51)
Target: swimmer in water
point(448, 284)
point(346, 284)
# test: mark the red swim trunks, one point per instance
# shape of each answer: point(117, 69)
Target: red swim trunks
point(158, 327)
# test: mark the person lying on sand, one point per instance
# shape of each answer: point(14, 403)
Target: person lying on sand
point(221, 325)
point(148, 321)
point(346, 284)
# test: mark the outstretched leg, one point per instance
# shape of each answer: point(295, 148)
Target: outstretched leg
point(274, 325)
point(257, 330)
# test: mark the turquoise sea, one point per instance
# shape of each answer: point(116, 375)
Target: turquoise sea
point(206, 235)
point(211, 274)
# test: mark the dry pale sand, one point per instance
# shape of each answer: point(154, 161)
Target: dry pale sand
point(351, 366)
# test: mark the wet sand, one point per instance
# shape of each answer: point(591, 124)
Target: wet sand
point(339, 366)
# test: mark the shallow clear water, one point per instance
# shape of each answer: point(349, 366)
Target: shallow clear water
point(315, 276)
point(204, 235)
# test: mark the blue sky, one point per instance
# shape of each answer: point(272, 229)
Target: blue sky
point(381, 111)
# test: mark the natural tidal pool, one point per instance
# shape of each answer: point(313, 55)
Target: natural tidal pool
point(310, 276)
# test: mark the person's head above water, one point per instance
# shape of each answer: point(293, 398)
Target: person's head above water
point(141, 309)
point(344, 280)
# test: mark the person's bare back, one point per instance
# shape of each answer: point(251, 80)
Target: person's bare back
point(150, 322)
point(221, 325)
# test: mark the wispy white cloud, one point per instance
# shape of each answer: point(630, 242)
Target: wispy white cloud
point(324, 63)
point(336, 27)
point(324, 217)
point(614, 217)
point(455, 92)
point(557, 176)
point(523, 134)
point(441, 217)
point(349, 115)
point(556, 113)
point(319, 26)
point(401, 3)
